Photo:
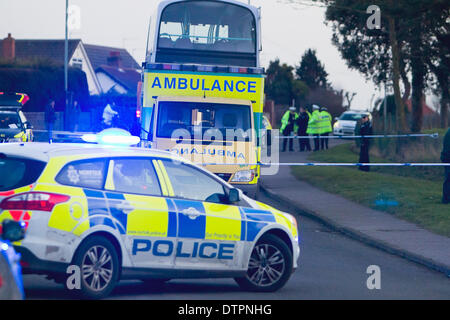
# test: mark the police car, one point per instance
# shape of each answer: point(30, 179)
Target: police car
point(134, 213)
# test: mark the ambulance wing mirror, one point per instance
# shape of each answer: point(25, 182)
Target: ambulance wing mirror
point(233, 195)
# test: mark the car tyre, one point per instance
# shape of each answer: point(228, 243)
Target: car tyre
point(99, 266)
point(269, 267)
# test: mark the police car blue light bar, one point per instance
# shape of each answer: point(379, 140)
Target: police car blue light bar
point(112, 136)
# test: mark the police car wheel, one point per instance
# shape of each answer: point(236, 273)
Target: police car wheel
point(99, 264)
point(270, 266)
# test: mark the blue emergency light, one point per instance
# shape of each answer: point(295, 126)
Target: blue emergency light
point(112, 136)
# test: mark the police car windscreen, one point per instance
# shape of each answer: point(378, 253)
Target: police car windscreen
point(16, 172)
point(204, 121)
point(9, 120)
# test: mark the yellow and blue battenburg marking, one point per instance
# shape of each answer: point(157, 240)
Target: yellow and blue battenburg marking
point(257, 219)
point(98, 205)
point(188, 227)
point(175, 217)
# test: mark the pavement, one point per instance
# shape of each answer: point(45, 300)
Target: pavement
point(375, 228)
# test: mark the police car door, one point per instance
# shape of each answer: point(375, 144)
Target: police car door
point(209, 232)
point(133, 189)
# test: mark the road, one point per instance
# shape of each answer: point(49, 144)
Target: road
point(331, 266)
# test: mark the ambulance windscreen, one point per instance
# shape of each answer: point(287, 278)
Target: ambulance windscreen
point(204, 121)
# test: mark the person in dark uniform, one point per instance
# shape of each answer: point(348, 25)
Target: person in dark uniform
point(445, 157)
point(50, 118)
point(302, 123)
point(365, 130)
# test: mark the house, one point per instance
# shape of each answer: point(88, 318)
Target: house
point(107, 69)
point(426, 109)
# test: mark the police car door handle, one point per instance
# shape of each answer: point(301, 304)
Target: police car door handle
point(191, 212)
point(124, 206)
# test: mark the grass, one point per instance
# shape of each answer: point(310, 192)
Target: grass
point(417, 198)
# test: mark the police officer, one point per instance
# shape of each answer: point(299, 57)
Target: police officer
point(50, 118)
point(314, 126)
point(445, 157)
point(365, 130)
point(302, 123)
point(325, 127)
point(288, 126)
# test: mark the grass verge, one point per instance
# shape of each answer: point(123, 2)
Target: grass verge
point(411, 198)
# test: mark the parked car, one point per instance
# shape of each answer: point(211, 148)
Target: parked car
point(11, 286)
point(14, 126)
point(346, 124)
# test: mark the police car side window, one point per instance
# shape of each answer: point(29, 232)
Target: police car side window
point(84, 173)
point(191, 183)
point(132, 175)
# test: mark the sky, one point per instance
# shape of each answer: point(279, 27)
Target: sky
point(287, 32)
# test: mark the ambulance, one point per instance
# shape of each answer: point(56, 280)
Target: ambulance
point(203, 87)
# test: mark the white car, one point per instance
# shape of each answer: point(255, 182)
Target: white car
point(134, 213)
point(346, 123)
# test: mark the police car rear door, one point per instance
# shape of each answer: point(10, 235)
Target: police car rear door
point(133, 188)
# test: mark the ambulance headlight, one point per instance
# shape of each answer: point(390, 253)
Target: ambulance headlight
point(243, 176)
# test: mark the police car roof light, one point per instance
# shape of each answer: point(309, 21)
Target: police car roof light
point(120, 140)
point(112, 136)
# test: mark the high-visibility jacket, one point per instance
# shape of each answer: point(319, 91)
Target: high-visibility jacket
point(285, 122)
point(314, 123)
point(325, 122)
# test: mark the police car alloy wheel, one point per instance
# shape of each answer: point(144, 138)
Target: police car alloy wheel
point(270, 266)
point(99, 264)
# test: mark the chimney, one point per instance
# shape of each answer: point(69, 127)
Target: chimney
point(9, 47)
point(114, 59)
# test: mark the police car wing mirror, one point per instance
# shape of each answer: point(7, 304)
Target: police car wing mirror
point(234, 195)
point(13, 230)
point(28, 125)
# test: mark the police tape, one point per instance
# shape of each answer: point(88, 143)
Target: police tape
point(330, 164)
point(74, 133)
point(409, 135)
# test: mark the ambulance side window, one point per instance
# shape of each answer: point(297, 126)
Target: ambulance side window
point(84, 173)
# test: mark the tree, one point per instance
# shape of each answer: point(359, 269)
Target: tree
point(281, 86)
point(439, 65)
point(312, 71)
point(373, 52)
point(278, 84)
point(407, 41)
point(349, 98)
